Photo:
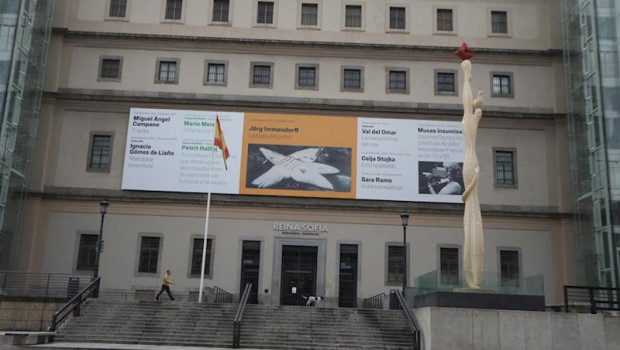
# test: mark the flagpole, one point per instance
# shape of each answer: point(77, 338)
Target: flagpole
point(204, 243)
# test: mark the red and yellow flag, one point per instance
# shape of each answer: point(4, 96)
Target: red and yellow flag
point(219, 142)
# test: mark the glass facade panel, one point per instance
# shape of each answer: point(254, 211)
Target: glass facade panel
point(591, 44)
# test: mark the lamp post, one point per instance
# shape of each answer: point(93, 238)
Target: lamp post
point(404, 216)
point(103, 208)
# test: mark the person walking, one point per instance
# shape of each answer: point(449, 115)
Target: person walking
point(165, 285)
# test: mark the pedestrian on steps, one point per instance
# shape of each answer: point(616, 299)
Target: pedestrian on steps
point(165, 285)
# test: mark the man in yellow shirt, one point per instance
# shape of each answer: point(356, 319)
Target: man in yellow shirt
point(165, 285)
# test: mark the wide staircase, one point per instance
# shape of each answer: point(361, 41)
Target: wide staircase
point(211, 325)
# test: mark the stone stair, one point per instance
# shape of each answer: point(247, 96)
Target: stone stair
point(211, 325)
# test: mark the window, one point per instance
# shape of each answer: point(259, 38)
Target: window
point(174, 9)
point(309, 14)
point(449, 266)
point(265, 12)
point(167, 71)
point(215, 73)
point(445, 82)
point(352, 79)
point(501, 85)
point(197, 256)
point(87, 252)
point(100, 152)
point(397, 18)
point(397, 80)
point(505, 167)
point(261, 75)
point(118, 8)
point(353, 16)
point(499, 22)
point(307, 77)
point(220, 11)
point(149, 255)
point(395, 264)
point(509, 268)
point(445, 20)
point(110, 69)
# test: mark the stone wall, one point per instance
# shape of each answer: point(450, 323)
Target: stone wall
point(457, 329)
point(27, 315)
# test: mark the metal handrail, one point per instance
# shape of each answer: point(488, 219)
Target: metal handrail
point(239, 316)
point(597, 298)
point(40, 286)
point(222, 296)
point(374, 302)
point(74, 305)
point(410, 317)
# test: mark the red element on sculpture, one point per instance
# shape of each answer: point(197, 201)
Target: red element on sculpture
point(464, 52)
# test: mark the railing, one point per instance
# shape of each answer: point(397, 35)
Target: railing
point(374, 302)
point(596, 298)
point(410, 317)
point(222, 296)
point(239, 316)
point(75, 304)
point(46, 286)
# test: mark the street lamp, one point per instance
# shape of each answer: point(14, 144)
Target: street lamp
point(103, 208)
point(404, 216)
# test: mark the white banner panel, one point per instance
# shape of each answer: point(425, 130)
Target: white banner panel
point(409, 160)
point(172, 150)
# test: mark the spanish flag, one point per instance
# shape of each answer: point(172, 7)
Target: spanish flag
point(218, 141)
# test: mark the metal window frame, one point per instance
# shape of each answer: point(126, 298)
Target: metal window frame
point(91, 143)
point(512, 150)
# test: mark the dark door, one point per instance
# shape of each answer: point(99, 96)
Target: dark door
point(298, 274)
point(347, 289)
point(250, 266)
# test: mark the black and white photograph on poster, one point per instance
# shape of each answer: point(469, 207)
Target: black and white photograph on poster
point(308, 168)
point(445, 178)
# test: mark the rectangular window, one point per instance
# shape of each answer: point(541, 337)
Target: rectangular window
point(444, 20)
point(100, 152)
point(396, 264)
point(446, 82)
point(220, 10)
point(110, 69)
point(499, 22)
point(149, 255)
point(307, 77)
point(504, 168)
point(309, 14)
point(216, 74)
point(449, 265)
point(167, 71)
point(397, 81)
point(501, 85)
point(397, 18)
point(87, 252)
point(197, 256)
point(509, 267)
point(265, 12)
point(118, 8)
point(353, 16)
point(261, 75)
point(174, 8)
point(352, 79)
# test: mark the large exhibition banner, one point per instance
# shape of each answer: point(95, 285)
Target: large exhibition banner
point(295, 155)
point(172, 150)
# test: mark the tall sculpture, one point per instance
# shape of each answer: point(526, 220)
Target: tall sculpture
point(472, 219)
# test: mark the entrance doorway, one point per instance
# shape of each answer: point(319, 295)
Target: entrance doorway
point(250, 268)
point(347, 289)
point(298, 274)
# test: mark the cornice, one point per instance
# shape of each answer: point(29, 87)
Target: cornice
point(153, 99)
point(304, 48)
point(88, 194)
